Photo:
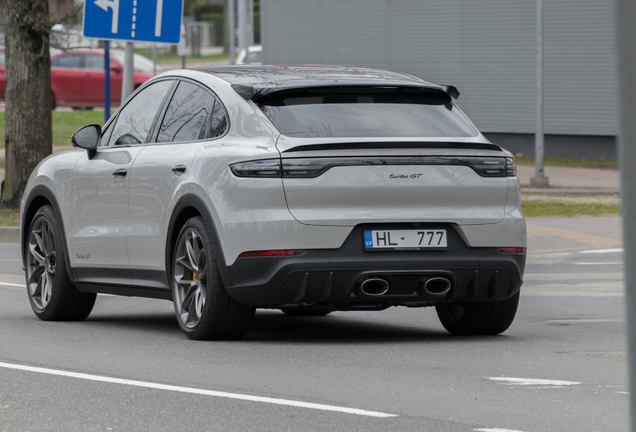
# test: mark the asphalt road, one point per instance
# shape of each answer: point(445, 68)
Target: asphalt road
point(560, 367)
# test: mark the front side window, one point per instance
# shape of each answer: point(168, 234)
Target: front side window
point(366, 112)
point(134, 121)
point(71, 61)
point(187, 114)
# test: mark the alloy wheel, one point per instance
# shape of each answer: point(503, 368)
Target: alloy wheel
point(41, 262)
point(190, 277)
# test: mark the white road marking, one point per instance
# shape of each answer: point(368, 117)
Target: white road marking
point(574, 321)
point(145, 384)
point(544, 383)
point(602, 251)
point(496, 430)
point(12, 284)
point(600, 263)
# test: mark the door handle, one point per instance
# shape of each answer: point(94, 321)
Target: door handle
point(179, 169)
point(120, 173)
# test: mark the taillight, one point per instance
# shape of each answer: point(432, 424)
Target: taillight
point(269, 253)
point(511, 167)
point(265, 168)
point(493, 166)
point(512, 250)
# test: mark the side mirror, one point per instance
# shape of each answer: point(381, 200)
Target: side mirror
point(115, 69)
point(87, 137)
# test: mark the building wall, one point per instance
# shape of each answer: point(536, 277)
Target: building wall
point(485, 47)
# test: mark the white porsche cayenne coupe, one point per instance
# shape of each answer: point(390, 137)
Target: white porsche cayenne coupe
point(308, 189)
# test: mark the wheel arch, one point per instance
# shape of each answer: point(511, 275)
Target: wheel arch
point(189, 206)
point(38, 197)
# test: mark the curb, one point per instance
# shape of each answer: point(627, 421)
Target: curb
point(9, 235)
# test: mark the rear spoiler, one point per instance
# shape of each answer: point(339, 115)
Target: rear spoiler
point(248, 92)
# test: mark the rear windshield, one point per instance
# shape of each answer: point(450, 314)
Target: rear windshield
point(366, 112)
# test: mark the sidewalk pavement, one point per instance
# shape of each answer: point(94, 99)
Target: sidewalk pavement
point(572, 181)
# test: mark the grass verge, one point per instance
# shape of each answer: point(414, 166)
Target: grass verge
point(64, 124)
point(9, 217)
point(550, 205)
point(574, 163)
point(172, 58)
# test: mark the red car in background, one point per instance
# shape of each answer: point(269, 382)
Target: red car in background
point(77, 76)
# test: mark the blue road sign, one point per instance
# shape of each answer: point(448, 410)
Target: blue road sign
point(134, 20)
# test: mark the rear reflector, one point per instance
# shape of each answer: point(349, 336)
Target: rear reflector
point(512, 250)
point(272, 253)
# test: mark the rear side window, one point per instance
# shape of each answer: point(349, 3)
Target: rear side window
point(93, 61)
point(187, 114)
point(366, 112)
point(193, 114)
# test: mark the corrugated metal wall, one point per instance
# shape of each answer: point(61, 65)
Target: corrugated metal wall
point(485, 47)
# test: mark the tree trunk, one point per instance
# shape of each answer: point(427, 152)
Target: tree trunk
point(28, 94)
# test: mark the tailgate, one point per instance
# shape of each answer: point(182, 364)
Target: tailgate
point(348, 191)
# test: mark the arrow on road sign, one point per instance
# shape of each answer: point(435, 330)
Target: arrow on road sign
point(114, 5)
point(158, 18)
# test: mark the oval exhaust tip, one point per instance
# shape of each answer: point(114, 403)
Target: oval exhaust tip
point(437, 286)
point(374, 287)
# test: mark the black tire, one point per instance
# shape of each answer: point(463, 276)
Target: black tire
point(52, 295)
point(53, 103)
point(204, 309)
point(305, 311)
point(478, 318)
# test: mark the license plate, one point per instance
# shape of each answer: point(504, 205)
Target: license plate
point(404, 239)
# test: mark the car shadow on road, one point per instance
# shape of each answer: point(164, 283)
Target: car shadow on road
point(342, 329)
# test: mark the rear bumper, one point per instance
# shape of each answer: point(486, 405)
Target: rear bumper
point(331, 277)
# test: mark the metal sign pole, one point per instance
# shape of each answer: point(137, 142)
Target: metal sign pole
point(231, 29)
point(539, 178)
point(128, 84)
point(242, 23)
point(626, 92)
point(154, 59)
point(106, 81)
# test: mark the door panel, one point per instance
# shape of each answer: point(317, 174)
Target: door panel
point(160, 172)
point(156, 183)
point(100, 208)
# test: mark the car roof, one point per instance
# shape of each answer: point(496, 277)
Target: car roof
point(255, 81)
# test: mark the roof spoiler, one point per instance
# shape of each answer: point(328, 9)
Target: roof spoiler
point(451, 90)
point(250, 93)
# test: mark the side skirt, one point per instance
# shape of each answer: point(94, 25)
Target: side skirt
point(124, 282)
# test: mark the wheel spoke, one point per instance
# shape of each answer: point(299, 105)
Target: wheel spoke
point(184, 262)
point(36, 254)
point(36, 279)
point(47, 237)
point(47, 287)
point(37, 235)
point(189, 290)
point(191, 256)
point(37, 274)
